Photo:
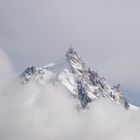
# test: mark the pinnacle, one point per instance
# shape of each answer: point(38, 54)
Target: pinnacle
point(71, 51)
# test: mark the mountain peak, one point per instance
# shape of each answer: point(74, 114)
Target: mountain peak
point(71, 51)
point(84, 84)
point(75, 61)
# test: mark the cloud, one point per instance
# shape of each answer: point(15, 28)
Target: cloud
point(6, 69)
point(35, 112)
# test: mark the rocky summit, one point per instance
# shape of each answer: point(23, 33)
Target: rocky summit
point(83, 83)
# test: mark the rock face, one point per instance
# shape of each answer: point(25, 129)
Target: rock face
point(82, 83)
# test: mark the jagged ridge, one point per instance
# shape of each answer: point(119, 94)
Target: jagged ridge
point(83, 83)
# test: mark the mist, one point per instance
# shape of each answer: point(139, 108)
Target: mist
point(35, 112)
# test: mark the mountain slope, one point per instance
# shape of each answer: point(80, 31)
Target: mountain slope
point(83, 83)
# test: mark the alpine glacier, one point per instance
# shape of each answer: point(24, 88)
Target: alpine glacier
point(84, 84)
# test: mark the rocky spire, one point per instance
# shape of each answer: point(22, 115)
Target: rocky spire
point(71, 51)
point(117, 88)
point(75, 61)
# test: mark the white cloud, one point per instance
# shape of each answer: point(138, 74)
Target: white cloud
point(5, 70)
point(33, 112)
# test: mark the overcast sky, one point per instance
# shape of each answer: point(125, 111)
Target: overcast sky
point(106, 33)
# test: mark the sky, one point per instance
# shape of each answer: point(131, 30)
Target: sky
point(105, 33)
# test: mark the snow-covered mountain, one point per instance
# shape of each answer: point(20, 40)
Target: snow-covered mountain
point(83, 84)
